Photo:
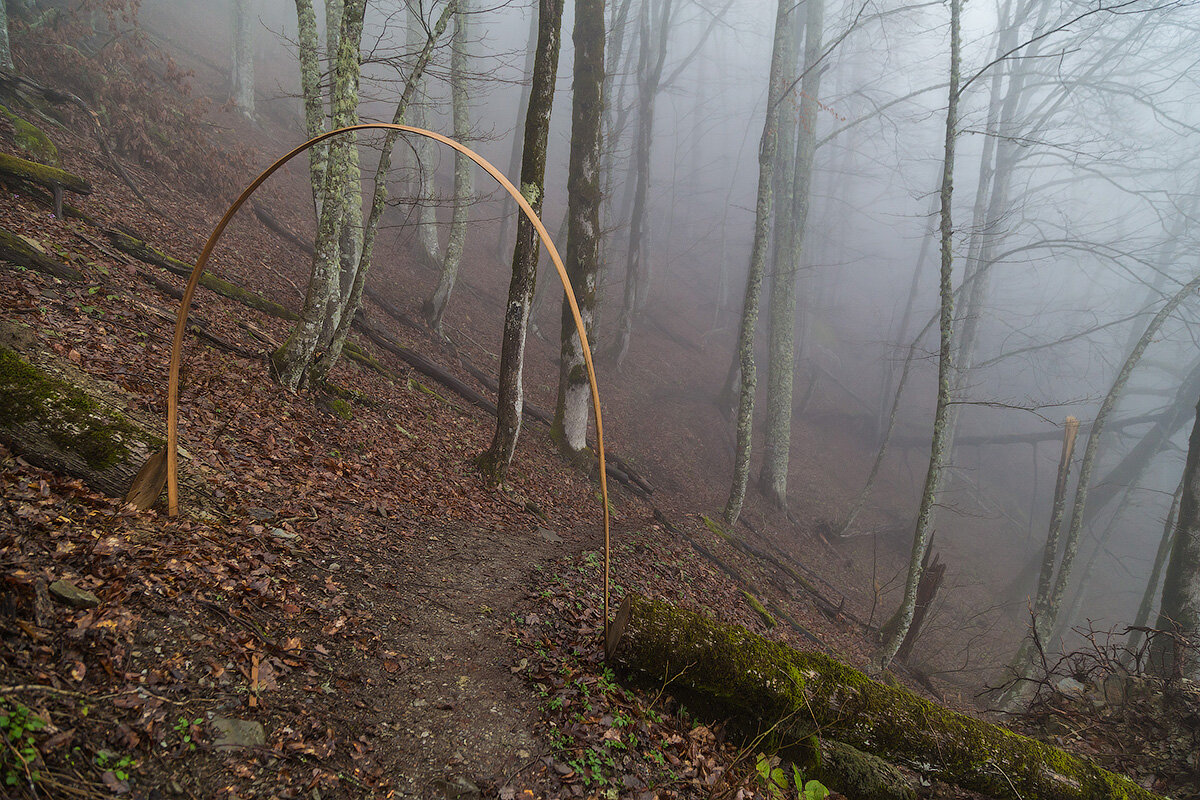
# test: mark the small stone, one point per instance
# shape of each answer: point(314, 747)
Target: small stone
point(235, 734)
point(457, 788)
point(68, 593)
point(549, 535)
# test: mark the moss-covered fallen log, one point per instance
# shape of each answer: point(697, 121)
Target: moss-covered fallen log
point(50, 177)
point(725, 672)
point(61, 419)
point(53, 178)
point(131, 245)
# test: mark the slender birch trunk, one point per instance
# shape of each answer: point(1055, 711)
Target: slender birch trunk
point(464, 171)
point(767, 151)
point(899, 624)
point(1174, 653)
point(583, 212)
point(781, 367)
point(494, 462)
point(242, 74)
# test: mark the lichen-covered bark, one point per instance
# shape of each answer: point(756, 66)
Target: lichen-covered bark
point(1022, 663)
point(725, 672)
point(495, 460)
point(781, 367)
point(62, 420)
point(321, 299)
point(464, 170)
point(900, 622)
point(366, 242)
point(754, 275)
point(309, 54)
point(1179, 611)
point(583, 215)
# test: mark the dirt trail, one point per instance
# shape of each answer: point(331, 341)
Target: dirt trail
point(454, 719)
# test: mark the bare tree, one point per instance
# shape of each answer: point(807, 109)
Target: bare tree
point(464, 170)
point(897, 627)
point(583, 211)
point(495, 460)
point(652, 53)
point(1174, 651)
point(767, 154)
point(782, 359)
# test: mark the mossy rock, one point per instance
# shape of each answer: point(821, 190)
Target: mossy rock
point(32, 139)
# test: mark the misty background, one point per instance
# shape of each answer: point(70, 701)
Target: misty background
point(1084, 114)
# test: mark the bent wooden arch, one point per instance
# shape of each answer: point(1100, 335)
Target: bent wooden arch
point(202, 261)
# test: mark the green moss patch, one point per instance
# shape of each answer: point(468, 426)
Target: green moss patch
point(71, 420)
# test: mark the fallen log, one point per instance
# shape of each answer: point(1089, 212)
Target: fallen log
point(725, 672)
point(53, 178)
point(20, 251)
point(61, 419)
point(133, 246)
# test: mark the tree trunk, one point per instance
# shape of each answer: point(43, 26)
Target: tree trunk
point(508, 207)
point(723, 671)
point(358, 239)
point(781, 363)
point(464, 170)
point(293, 358)
point(583, 212)
point(243, 57)
point(1175, 651)
point(495, 460)
point(1160, 559)
point(428, 246)
point(309, 54)
point(6, 61)
point(902, 619)
point(1022, 663)
point(651, 56)
point(767, 150)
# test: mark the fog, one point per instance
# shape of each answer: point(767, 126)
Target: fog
point(1084, 121)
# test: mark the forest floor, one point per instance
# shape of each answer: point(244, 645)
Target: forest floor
point(348, 611)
